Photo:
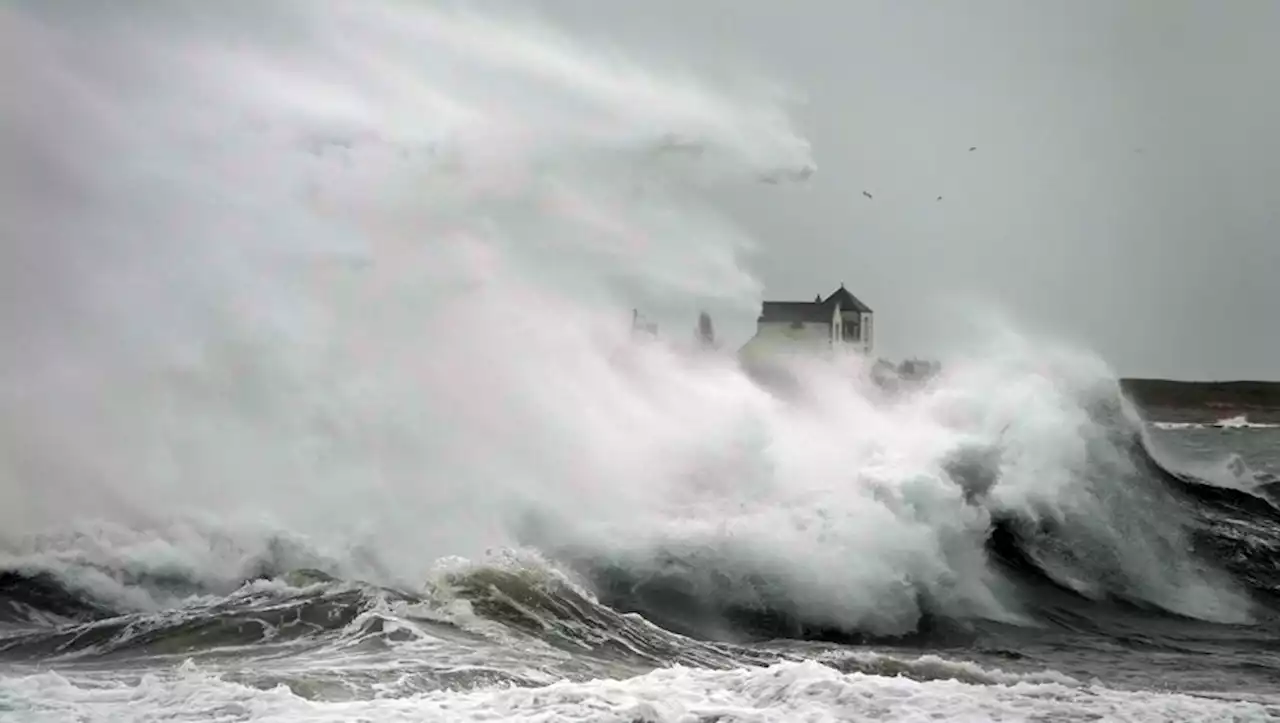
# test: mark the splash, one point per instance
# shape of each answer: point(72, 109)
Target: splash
point(291, 264)
point(362, 276)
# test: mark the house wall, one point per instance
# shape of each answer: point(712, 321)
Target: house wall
point(863, 342)
point(776, 336)
point(851, 318)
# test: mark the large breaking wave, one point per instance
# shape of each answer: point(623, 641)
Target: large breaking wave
point(1135, 538)
point(344, 294)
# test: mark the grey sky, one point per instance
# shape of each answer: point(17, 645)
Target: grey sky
point(1123, 193)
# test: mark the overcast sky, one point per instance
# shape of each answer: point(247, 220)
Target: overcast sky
point(1124, 190)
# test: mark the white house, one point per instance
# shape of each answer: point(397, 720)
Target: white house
point(840, 322)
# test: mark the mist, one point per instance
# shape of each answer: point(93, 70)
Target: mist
point(361, 278)
point(1118, 194)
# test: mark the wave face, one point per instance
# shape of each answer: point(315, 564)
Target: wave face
point(1128, 537)
point(1126, 534)
point(308, 305)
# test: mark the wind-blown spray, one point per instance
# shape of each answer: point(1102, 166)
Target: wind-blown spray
point(341, 286)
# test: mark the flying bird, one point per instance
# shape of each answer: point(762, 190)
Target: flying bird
point(866, 194)
point(973, 148)
point(939, 198)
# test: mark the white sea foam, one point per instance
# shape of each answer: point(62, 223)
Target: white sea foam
point(785, 692)
point(1240, 421)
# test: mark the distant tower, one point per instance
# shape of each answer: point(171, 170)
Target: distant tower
point(706, 332)
point(639, 326)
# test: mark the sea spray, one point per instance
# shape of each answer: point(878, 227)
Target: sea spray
point(361, 278)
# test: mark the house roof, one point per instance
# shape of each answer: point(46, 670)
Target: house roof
point(818, 310)
point(847, 301)
point(795, 311)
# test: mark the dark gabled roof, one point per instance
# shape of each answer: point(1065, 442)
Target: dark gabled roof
point(818, 310)
point(795, 311)
point(848, 301)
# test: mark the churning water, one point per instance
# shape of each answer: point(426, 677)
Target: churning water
point(319, 403)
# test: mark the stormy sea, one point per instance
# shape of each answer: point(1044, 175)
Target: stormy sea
point(320, 400)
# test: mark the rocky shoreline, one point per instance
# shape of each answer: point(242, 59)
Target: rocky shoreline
point(1165, 400)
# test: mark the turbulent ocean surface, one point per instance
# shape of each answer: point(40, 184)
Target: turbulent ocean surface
point(1151, 597)
point(319, 401)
